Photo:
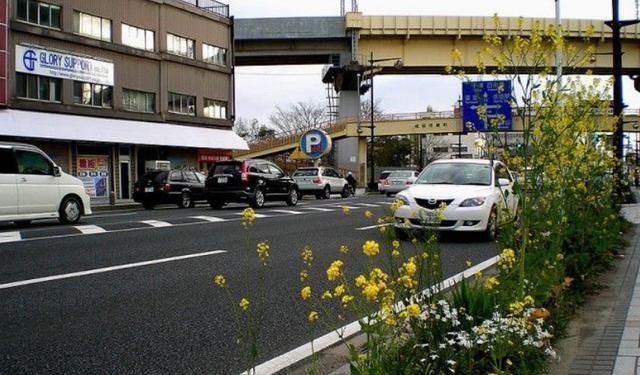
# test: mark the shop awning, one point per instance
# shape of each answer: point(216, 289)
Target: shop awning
point(43, 125)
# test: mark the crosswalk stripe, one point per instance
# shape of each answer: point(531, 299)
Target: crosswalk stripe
point(10, 237)
point(211, 219)
point(318, 209)
point(288, 212)
point(349, 207)
point(387, 202)
point(90, 229)
point(157, 223)
point(257, 216)
point(369, 204)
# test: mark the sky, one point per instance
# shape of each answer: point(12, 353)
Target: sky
point(260, 89)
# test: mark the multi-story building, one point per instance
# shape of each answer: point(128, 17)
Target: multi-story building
point(105, 87)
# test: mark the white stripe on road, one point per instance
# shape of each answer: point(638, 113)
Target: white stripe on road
point(289, 212)
point(107, 269)
point(10, 237)
point(385, 203)
point(258, 216)
point(90, 229)
point(317, 209)
point(323, 342)
point(374, 226)
point(157, 223)
point(368, 205)
point(211, 219)
point(349, 207)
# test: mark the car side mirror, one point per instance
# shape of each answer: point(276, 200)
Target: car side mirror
point(56, 171)
point(503, 182)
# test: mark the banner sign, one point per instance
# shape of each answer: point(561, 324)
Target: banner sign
point(494, 96)
point(56, 64)
point(93, 171)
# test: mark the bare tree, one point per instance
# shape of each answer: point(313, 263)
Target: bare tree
point(299, 117)
point(365, 110)
point(252, 130)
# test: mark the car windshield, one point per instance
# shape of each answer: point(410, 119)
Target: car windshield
point(456, 174)
point(306, 172)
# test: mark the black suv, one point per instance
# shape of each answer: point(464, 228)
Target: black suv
point(254, 181)
point(177, 186)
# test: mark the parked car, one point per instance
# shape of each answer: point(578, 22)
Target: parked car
point(381, 178)
point(321, 182)
point(253, 181)
point(477, 195)
point(175, 186)
point(397, 181)
point(33, 187)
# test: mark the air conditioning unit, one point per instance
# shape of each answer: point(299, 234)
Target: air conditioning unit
point(157, 164)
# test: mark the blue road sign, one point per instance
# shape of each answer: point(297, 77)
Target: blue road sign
point(314, 143)
point(494, 96)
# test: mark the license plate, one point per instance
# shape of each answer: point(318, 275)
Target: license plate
point(222, 180)
point(148, 190)
point(396, 182)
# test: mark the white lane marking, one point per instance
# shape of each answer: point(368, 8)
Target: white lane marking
point(289, 212)
point(211, 219)
point(10, 237)
point(107, 269)
point(258, 216)
point(387, 202)
point(157, 223)
point(90, 229)
point(374, 226)
point(304, 351)
point(367, 205)
point(318, 209)
point(349, 207)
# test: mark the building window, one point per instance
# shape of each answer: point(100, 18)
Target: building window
point(440, 149)
point(40, 13)
point(137, 37)
point(180, 46)
point(214, 55)
point(182, 104)
point(215, 109)
point(38, 87)
point(138, 101)
point(92, 94)
point(92, 26)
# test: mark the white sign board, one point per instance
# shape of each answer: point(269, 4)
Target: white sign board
point(56, 64)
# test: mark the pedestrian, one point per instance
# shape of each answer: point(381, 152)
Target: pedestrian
point(352, 182)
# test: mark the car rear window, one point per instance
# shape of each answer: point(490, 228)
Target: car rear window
point(157, 176)
point(225, 168)
point(306, 172)
point(402, 174)
point(384, 175)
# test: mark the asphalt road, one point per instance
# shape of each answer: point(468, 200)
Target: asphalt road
point(146, 302)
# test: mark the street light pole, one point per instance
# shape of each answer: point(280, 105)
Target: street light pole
point(372, 184)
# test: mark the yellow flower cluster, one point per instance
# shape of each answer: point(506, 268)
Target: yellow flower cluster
point(507, 259)
point(344, 249)
point(371, 287)
point(346, 211)
point(304, 275)
point(371, 248)
point(333, 272)
point(395, 205)
point(305, 293)
point(220, 281)
point(248, 217)
point(313, 316)
point(244, 304)
point(368, 214)
point(346, 299)
point(307, 255)
point(263, 252)
point(411, 311)
point(516, 307)
point(491, 283)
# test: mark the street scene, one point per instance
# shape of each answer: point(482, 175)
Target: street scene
point(347, 187)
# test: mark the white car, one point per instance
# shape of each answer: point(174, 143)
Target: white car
point(33, 187)
point(475, 195)
point(397, 181)
point(321, 182)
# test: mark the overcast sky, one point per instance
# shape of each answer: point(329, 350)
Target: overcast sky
point(260, 89)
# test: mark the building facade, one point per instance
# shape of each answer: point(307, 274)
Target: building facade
point(107, 88)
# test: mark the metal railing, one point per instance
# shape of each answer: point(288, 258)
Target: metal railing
point(211, 6)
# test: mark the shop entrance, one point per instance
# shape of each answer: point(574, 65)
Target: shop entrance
point(125, 184)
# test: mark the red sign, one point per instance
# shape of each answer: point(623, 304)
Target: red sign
point(207, 155)
point(4, 12)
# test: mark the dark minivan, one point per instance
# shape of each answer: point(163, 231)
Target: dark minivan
point(253, 181)
point(176, 186)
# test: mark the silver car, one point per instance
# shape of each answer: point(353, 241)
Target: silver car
point(321, 182)
point(397, 181)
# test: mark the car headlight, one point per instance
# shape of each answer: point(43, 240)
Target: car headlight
point(404, 200)
point(473, 202)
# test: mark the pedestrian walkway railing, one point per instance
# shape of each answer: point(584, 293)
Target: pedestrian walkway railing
point(211, 6)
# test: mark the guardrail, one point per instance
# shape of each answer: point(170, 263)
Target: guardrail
point(211, 6)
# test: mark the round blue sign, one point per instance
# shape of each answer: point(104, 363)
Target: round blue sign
point(314, 143)
point(29, 60)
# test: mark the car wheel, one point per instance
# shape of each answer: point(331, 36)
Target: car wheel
point(401, 234)
point(70, 210)
point(185, 200)
point(326, 192)
point(292, 197)
point(215, 204)
point(258, 199)
point(148, 205)
point(491, 233)
point(345, 192)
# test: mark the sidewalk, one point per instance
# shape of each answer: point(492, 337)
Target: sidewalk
point(604, 338)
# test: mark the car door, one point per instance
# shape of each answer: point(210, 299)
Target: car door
point(335, 180)
point(8, 184)
point(196, 187)
point(281, 180)
point(508, 198)
point(38, 187)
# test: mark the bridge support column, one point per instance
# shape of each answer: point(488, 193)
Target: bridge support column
point(347, 153)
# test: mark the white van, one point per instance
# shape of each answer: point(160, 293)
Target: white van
point(33, 187)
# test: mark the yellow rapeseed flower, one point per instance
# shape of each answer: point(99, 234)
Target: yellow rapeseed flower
point(326, 295)
point(304, 275)
point(395, 253)
point(346, 210)
point(248, 217)
point(410, 268)
point(368, 214)
point(313, 316)
point(333, 272)
point(395, 244)
point(371, 248)
point(361, 281)
point(528, 300)
point(370, 292)
point(244, 304)
point(307, 255)
point(413, 310)
point(220, 281)
point(346, 299)
point(305, 292)
point(491, 283)
point(263, 251)
point(344, 249)
point(339, 290)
